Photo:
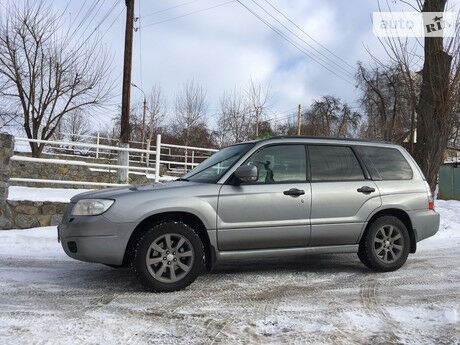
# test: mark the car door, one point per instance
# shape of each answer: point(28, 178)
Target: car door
point(272, 212)
point(343, 195)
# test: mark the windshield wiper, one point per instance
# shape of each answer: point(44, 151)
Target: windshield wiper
point(183, 179)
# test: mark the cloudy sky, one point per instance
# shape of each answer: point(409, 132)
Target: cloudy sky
point(221, 44)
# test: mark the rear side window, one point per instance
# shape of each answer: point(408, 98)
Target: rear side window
point(389, 163)
point(334, 163)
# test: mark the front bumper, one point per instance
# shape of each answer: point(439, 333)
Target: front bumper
point(94, 239)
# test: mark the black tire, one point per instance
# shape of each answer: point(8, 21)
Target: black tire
point(362, 257)
point(386, 245)
point(174, 230)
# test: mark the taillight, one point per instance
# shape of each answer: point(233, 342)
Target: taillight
point(430, 196)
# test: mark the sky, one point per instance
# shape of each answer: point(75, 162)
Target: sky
point(220, 44)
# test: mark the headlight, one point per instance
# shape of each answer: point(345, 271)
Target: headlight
point(91, 207)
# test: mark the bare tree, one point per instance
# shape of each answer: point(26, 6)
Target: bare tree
point(436, 106)
point(387, 101)
point(76, 124)
point(454, 139)
point(190, 109)
point(435, 100)
point(330, 117)
point(135, 121)
point(235, 122)
point(402, 67)
point(46, 76)
point(8, 119)
point(258, 98)
point(288, 126)
point(156, 110)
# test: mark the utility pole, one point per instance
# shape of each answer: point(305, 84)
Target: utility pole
point(143, 126)
point(299, 119)
point(257, 122)
point(143, 114)
point(123, 156)
point(143, 121)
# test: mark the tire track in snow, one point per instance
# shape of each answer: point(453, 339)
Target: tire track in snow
point(375, 307)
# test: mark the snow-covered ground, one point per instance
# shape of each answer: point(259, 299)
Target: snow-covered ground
point(46, 297)
point(43, 194)
point(53, 194)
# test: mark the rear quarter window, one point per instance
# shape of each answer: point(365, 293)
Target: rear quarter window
point(388, 162)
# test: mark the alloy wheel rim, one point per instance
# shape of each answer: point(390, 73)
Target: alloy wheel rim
point(388, 243)
point(169, 258)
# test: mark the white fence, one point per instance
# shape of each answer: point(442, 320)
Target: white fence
point(96, 154)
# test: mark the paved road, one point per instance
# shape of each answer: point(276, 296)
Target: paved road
point(318, 299)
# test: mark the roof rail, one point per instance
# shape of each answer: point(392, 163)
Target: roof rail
point(326, 138)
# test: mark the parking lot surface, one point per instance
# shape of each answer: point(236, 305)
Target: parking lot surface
point(46, 297)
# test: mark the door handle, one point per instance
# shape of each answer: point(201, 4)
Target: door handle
point(366, 190)
point(294, 192)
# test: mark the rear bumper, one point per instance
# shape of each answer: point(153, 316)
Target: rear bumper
point(425, 223)
point(95, 239)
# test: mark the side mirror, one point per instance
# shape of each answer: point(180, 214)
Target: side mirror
point(247, 173)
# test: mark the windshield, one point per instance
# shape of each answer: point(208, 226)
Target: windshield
point(213, 168)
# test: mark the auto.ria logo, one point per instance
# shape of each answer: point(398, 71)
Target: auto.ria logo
point(414, 24)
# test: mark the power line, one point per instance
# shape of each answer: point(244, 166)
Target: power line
point(276, 119)
point(327, 61)
point(283, 36)
point(98, 25)
point(170, 8)
point(78, 14)
point(309, 36)
point(140, 43)
point(111, 24)
point(89, 17)
point(293, 43)
point(283, 111)
point(108, 13)
point(190, 13)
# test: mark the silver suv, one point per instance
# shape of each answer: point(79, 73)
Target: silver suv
point(269, 198)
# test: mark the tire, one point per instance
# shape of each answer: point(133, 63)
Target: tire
point(386, 245)
point(362, 257)
point(175, 255)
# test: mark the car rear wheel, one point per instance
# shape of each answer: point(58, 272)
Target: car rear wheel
point(169, 257)
point(385, 247)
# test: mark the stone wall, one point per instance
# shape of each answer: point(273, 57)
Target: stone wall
point(22, 214)
point(28, 214)
point(31, 214)
point(6, 151)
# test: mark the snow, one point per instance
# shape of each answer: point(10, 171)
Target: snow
point(43, 194)
point(21, 243)
point(448, 228)
point(46, 297)
point(164, 178)
point(21, 146)
point(114, 171)
point(55, 194)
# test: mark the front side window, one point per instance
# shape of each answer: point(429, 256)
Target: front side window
point(334, 163)
point(280, 163)
point(213, 168)
point(389, 162)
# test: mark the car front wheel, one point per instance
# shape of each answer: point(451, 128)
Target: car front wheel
point(169, 257)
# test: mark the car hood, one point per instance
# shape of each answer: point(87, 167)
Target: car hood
point(113, 193)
